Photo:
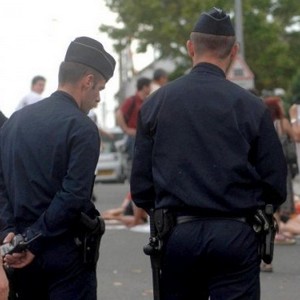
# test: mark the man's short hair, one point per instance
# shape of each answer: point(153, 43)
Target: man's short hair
point(141, 82)
point(219, 45)
point(158, 73)
point(72, 72)
point(37, 78)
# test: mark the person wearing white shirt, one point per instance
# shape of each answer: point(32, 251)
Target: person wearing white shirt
point(37, 88)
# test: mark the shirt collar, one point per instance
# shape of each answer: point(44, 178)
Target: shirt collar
point(208, 68)
point(66, 96)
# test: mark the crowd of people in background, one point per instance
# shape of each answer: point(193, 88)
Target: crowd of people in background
point(127, 118)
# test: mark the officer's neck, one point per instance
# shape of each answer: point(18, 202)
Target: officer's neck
point(221, 63)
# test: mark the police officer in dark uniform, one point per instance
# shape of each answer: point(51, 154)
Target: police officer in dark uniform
point(2, 118)
point(207, 151)
point(49, 152)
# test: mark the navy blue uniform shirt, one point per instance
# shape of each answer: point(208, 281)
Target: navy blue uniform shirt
point(2, 119)
point(49, 152)
point(204, 143)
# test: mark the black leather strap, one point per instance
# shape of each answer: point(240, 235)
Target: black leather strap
point(185, 219)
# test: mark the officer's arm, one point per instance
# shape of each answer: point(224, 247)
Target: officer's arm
point(75, 193)
point(142, 189)
point(6, 214)
point(268, 158)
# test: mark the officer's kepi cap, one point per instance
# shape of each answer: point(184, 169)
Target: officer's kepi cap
point(215, 22)
point(89, 52)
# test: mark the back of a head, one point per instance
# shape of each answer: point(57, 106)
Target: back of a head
point(38, 84)
point(37, 78)
point(273, 103)
point(158, 73)
point(142, 82)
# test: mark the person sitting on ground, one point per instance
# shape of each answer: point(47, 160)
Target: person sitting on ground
point(128, 213)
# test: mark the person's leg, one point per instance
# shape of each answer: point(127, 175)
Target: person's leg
point(68, 277)
point(234, 262)
point(237, 285)
point(183, 276)
point(81, 285)
point(29, 283)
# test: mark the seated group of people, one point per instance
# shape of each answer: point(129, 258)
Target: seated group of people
point(127, 213)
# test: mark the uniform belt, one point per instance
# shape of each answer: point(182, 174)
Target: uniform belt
point(185, 219)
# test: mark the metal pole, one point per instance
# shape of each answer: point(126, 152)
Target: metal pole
point(239, 26)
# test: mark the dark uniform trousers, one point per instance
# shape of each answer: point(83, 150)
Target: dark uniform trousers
point(216, 258)
point(57, 274)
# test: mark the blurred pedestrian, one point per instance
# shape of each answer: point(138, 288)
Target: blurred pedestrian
point(285, 210)
point(286, 135)
point(37, 88)
point(206, 157)
point(127, 113)
point(160, 78)
point(127, 116)
point(294, 113)
point(49, 152)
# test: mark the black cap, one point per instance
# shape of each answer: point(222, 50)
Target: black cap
point(215, 22)
point(89, 52)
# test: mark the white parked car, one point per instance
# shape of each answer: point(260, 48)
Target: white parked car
point(112, 163)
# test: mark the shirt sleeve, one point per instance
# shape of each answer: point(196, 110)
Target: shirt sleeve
point(268, 158)
point(142, 187)
point(6, 214)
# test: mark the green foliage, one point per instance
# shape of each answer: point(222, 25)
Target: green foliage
point(270, 50)
point(294, 89)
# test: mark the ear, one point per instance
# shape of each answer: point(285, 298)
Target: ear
point(235, 50)
point(190, 48)
point(88, 80)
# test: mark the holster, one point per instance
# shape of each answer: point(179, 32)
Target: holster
point(164, 221)
point(92, 232)
point(265, 225)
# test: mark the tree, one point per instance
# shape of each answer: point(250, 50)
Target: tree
point(271, 50)
point(294, 89)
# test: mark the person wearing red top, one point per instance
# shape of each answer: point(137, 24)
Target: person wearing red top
point(127, 119)
point(127, 114)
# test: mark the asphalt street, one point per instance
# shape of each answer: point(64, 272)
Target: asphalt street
point(124, 271)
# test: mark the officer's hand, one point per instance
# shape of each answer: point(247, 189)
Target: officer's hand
point(9, 238)
point(131, 131)
point(18, 260)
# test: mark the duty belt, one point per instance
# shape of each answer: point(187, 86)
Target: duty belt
point(185, 219)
